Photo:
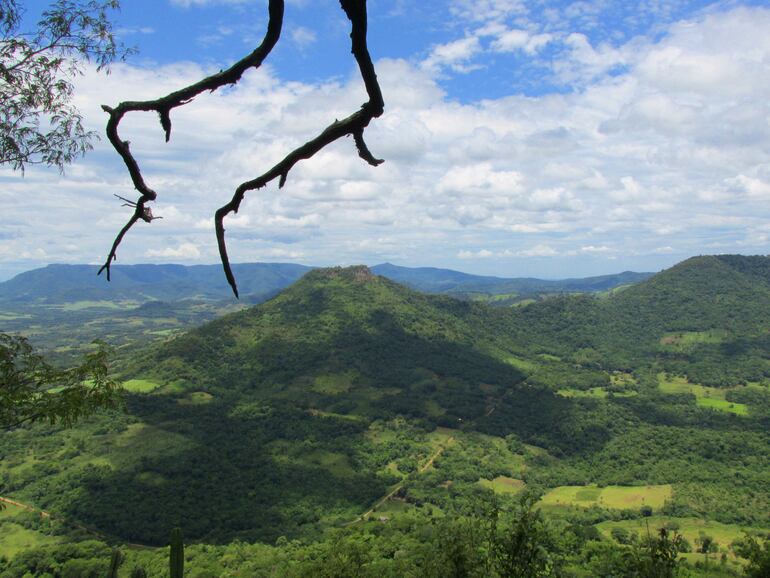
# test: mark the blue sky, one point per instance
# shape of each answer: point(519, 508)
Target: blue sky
point(521, 138)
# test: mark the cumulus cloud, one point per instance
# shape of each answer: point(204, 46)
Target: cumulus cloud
point(664, 157)
point(183, 251)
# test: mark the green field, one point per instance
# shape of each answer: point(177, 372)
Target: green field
point(140, 385)
point(595, 392)
point(614, 497)
point(686, 340)
point(521, 364)
point(710, 397)
point(503, 485)
point(196, 398)
point(14, 538)
point(690, 528)
point(334, 383)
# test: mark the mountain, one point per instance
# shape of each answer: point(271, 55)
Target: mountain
point(433, 280)
point(347, 390)
point(707, 317)
point(72, 283)
point(58, 284)
point(349, 331)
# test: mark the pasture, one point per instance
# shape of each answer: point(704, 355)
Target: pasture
point(614, 497)
point(140, 385)
point(710, 397)
point(503, 485)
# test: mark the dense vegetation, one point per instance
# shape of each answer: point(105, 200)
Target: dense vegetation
point(270, 433)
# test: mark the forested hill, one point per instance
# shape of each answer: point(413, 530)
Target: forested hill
point(310, 409)
point(707, 317)
point(345, 340)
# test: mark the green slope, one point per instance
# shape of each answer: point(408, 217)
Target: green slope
point(301, 413)
point(707, 318)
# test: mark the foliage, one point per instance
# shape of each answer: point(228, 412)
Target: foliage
point(38, 122)
point(757, 553)
point(33, 390)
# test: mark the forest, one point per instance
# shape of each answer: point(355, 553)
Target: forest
point(350, 426)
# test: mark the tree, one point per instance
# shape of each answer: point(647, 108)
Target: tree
point(352, 125)
point(33, 390)
point(757, 553)
point(38, 122)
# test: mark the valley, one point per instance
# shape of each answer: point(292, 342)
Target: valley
point(349, 413)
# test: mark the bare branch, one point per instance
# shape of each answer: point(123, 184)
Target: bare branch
point(352, 125)
point(163, 107)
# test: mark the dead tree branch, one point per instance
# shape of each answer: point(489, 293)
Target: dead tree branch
point(352, 125)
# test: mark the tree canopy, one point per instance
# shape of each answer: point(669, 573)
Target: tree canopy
point(38, 122)
point(31, 389)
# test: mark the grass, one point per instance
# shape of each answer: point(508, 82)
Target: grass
point(595, 392)
point(686, 340)
point(15, 538)
point(522, 364)
point(13, 316)
point(690, 528)
point(140, 385)
point(197, 398)
point(503, 485)
point(334, 383)
point(613, 497)
point(710, 397)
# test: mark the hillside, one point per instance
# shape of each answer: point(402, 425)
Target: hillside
point(347, 391)
point(707, 318)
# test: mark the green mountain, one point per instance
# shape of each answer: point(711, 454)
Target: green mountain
point(339, 338)
point(707, 318)
point(347, 391)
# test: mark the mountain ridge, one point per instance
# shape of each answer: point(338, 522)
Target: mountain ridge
point(69, 283)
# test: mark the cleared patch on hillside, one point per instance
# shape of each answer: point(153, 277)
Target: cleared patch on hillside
point(140, 385)
point(14, 537)
point(710, 397)
point(690, 528)
point(503, 485)
point(334, 383)
point(682, 341)
point(614, 497)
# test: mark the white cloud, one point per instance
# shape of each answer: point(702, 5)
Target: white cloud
point(303, 37)
point(481, 254)
point(511, 40)
point(183, 251)
point(539, 251)
point(455, 55)
point(672, 152)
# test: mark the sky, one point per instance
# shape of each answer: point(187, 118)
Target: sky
point(521, 138)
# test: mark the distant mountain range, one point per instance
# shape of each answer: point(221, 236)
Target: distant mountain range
point(258, 281)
